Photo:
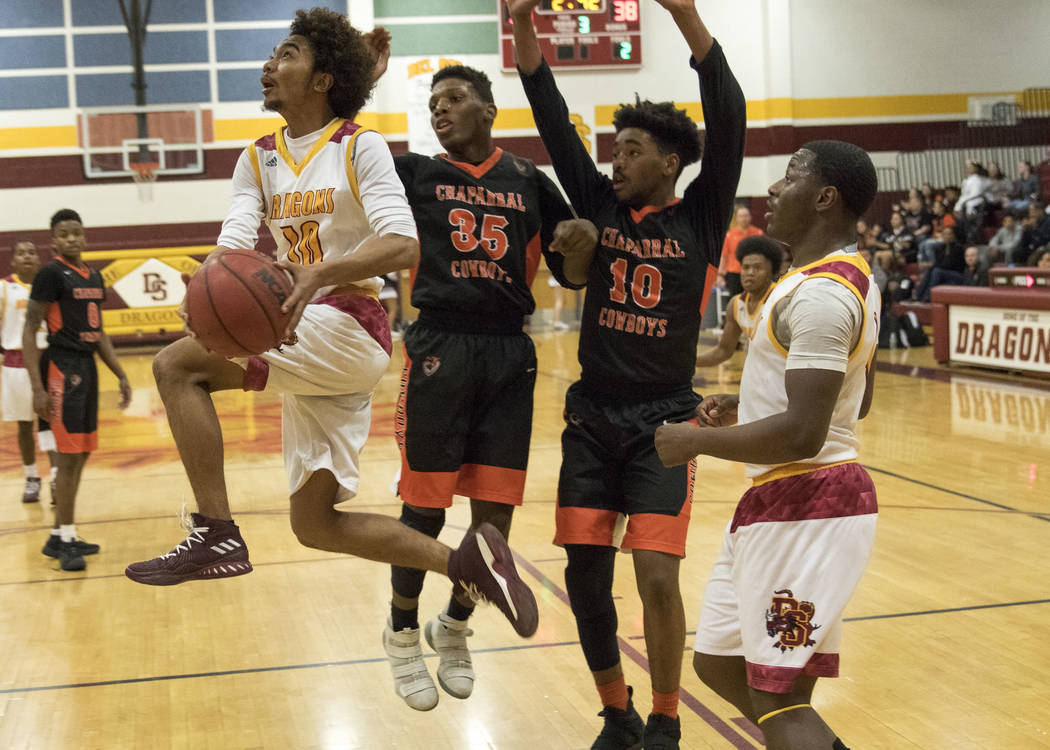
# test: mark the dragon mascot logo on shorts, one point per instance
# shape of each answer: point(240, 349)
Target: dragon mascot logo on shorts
point(790, 621)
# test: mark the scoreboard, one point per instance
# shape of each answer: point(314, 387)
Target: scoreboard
point(582, 34)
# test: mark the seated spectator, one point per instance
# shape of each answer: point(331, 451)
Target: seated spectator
point(928, 197)
point(974, 273)
point(901, 244)
point(1025, 190)
point(1040, 259)
point(1006, 241)
point(1035, 229)
point(917, 219)
point(941, 219)
point(880, 274)
point(999, 186)
point(949, 256)
point(951, 196)
point(760, 260)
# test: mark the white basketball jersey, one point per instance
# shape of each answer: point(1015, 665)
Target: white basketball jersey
point(762, 389)
point(313, 207)
point(15, 299)
point(746, 320)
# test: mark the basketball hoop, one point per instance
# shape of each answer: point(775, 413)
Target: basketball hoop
point(144, 177)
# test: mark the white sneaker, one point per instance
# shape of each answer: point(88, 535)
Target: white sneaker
point(412, 681)
point(448, 637)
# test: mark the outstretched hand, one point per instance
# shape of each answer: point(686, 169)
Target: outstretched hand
point(378, 40)
point(521, 8)
point(677, 5)
point(305, 281)
point(125, 393)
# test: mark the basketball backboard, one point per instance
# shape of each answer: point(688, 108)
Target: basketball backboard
point(172, 137)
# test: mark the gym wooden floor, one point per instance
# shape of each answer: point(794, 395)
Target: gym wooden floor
point(946, 645)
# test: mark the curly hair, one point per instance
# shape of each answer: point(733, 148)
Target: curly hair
point(760, 244)
point(671, 128)
point(481, 83)
point(341, 51)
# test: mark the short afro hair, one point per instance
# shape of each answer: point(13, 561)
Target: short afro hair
point(760, 244)
point(481, 83)
point(848, 169)
point(671, 128)
point(64, 214)
point(341, 51)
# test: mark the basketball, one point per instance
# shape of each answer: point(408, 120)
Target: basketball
point(233, 303)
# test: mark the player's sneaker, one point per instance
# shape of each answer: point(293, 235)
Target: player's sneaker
point(662, 732)
point(53, 546)
point(623, 729)
point(448, 637)
point(484, 565)
point(213, 549)
point(31, 493)
point(412, 681)
point(69, 557)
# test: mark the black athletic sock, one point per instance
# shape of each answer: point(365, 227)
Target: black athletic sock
point(403, 618)
point(838, 745)
point(457, 611)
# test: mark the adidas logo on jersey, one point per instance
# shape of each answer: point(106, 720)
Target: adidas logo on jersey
point(272, 161)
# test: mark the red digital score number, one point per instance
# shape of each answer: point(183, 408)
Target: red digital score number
point(624, 11)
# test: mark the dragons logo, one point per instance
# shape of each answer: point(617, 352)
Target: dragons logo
point(790, 621)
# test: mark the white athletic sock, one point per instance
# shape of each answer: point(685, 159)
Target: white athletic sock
point(54, 472)
point(68, 531)
point(56, 532)
point(31, 472)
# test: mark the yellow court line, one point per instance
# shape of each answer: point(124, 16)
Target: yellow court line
point(248, 129)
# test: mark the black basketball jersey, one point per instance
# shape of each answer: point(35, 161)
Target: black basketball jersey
point(75, 295)
point(653, 267)
point(482, 229)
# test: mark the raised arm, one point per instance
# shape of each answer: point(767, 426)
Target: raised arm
point(526, 44)
point(692, 27)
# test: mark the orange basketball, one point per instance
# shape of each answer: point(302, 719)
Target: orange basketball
point(233, 303)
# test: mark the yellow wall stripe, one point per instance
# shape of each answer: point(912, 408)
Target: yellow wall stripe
point(245, 130)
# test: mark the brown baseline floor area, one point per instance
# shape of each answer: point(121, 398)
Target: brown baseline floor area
point(946, 645)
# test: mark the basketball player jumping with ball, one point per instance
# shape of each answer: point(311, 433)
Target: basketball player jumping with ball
point(336, 247)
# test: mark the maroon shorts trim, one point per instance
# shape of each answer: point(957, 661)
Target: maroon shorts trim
point(366, 310)
point(782, 679)
point(256, 374)
point(13, 358)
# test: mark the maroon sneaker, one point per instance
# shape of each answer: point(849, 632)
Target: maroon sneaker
point(484, 566)
point(213, 549)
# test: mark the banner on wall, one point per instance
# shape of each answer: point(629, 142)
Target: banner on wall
point(421, 138)
point(998, 337)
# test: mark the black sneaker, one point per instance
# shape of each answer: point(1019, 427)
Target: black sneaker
point(69, 557)
point(54, 544)
point(623, 730)
point(662, 732)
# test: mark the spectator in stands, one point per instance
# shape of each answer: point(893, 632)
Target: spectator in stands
point(933, 247)
point(928, 197)
point(973, 195)
point(999, 185)
point(951, 195)
point(729, 266)
point(880, 274)
point(917, 219)
point(1040, 259)
point(973, 273)
point(1026, 188)
point(901, 243)
point(1007, 240)
point(1035, 229)
point(949, 256)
